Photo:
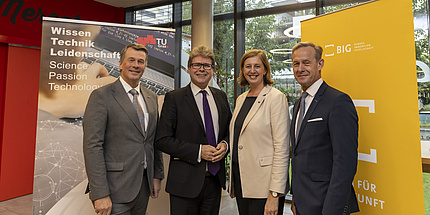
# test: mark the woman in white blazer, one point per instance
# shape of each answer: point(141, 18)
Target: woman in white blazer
point(259, 140)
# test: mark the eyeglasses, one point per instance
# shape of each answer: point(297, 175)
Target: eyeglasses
point(206, 66)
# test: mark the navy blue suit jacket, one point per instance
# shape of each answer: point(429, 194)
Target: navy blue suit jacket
point(324, 158)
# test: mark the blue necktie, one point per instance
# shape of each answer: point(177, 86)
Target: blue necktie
point(302, 113)
point(213, 168)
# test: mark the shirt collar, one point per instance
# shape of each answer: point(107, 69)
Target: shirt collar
point(313, 89)
point(195, 89)
point(127, 87)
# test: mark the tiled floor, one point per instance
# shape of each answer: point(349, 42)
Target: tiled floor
point(17, 206)
point(22, 206)
point(228, 207)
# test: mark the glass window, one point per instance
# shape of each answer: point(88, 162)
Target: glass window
point(423, 72)
point(223, 40)
point(154, 16)
point(186, 43)
point(277, 34)
point(186, 10)
point(185, 53)
point(421, 29)
point(331, 8)
point(261, 4)
point(223, 6)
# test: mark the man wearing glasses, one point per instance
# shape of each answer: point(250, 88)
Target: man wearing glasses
point(193, 130)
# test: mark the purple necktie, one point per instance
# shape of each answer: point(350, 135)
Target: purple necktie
point(210, 132)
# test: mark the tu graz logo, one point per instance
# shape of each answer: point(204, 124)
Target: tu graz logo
point(149, 39)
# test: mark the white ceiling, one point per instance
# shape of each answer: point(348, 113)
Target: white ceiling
point(127, 3)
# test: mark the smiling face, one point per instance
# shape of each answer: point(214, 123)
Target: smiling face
point(254, 71)
point(201, 76)
point(307, 70)
point(133, 66)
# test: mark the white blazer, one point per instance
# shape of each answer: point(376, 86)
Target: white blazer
point(263, 146)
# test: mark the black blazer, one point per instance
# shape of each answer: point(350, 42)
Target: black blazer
point(324, 159)
point(180, 132)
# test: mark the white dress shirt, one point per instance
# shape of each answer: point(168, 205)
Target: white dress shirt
point(199, 101)
point(198, 97)
point(312, 90)
point(140, 99)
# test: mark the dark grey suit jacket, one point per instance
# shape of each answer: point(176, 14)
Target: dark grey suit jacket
point(180, 133)
point(324, 158)
point(114, 144)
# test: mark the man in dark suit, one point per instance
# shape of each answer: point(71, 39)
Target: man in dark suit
point(119, 124)
point(324, 141)
point(193, 130)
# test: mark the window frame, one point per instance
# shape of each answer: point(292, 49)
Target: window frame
point(239, 15)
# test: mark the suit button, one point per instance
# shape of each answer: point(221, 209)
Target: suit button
point(295, 154)
point(240, 147)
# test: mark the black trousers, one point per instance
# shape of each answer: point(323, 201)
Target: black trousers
point(206, 203)
point(250, 206)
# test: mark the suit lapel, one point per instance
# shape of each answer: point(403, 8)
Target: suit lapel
point(295, 111)
point(239, 103)
point(318, 96)
point(189, 98)
point(257, 104)
point(219, 105)
point(123, 100)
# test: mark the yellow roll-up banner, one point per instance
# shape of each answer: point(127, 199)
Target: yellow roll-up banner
point(369, 53)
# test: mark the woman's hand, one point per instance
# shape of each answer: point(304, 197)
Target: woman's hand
point(272, 204)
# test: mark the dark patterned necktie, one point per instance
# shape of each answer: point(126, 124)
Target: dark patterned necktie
point(302, 113)
point(210, 132)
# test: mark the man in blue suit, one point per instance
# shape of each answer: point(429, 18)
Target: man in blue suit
point(324, 137)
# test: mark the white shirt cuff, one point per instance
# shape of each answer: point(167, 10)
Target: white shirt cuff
point(199, 158)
